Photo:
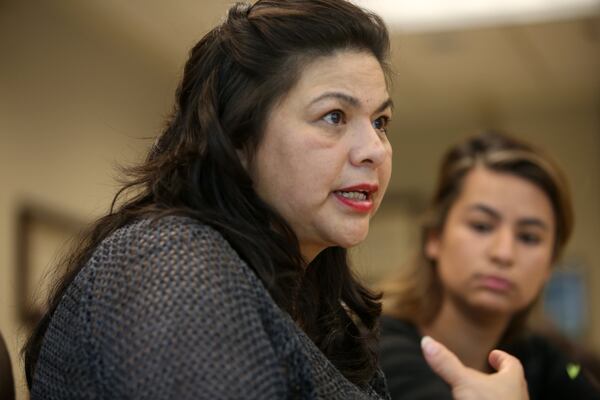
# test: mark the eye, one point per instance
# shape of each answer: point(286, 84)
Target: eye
point(334, 117)
point(529, 238)
point(481, 227)
point(381, 123)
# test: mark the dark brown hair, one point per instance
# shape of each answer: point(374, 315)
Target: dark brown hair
point(416, 294)
point(232, 78)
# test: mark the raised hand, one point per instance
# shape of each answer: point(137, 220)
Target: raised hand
point(469, 384)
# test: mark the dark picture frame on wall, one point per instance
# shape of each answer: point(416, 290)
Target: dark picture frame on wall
point(42, 233)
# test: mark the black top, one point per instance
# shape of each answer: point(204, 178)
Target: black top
point(549, 373)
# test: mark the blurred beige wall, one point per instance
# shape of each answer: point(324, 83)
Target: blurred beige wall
point(74, 102)
point(84, 89)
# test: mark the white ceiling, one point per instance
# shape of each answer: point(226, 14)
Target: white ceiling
point(490, 73)
point(436, 15)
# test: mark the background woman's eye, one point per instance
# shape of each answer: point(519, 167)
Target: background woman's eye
point(481, 227)
point(529, 238)
point(334, 117)
point(381, 123)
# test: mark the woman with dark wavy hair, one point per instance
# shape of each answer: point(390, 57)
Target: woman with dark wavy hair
point(223, 273)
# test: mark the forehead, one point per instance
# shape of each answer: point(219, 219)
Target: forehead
point(511, 195)
point(357, 73)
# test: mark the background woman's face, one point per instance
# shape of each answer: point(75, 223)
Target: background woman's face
point(495, 250)
point(324, 161)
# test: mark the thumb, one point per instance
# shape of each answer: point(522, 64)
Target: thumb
point(504, 362)
point(443, 361)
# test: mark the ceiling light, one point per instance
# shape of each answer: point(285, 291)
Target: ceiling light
point(427, 15)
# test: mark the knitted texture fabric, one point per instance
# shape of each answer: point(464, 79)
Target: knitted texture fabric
point(168, 310)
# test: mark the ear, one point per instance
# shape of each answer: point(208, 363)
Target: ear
point(432, 245)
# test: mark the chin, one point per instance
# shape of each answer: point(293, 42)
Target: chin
point(492, 306)
point(346, 234)
point(352, 240)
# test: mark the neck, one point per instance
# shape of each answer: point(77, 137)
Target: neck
point(310, 251)
point(470, 335)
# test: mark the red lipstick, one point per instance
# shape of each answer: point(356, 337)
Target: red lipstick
point(357, 197)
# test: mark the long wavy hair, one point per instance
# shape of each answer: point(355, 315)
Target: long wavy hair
point(232, 79)
point(416, 294)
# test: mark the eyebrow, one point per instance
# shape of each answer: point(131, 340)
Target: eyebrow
point(352, 101)
point(532, 221)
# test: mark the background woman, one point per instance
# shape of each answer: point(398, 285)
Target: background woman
point(224, 273)
point(500, 216)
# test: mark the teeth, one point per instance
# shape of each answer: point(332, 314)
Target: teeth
point(354, 195)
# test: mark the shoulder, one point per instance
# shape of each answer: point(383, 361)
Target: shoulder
point(552, 373)
point(536, 353)
point(166, 233)
point(171, 258)
point(176, 243)
point(399, 334)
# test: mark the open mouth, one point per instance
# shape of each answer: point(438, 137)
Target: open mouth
point(354, 195)
point(358, 198)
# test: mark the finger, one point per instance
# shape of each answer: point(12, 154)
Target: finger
point(443, 361)
point(502, 361)
point(511, 368)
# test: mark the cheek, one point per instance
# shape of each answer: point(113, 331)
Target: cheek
point(384, 176)
point(277, 161)
point(456, 255)
point(451, 278)
point(450, 264)
point(537, 274)
point(271, 174)
point(294, 185)
point(461, 247)
point(385, 172)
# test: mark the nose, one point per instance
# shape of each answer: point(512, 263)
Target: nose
point(369, 146)
point(502, 249)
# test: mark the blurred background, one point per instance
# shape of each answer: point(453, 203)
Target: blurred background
point(85, 86)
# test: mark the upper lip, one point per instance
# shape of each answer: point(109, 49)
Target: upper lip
point(368, 188)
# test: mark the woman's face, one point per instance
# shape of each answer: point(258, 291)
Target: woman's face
point(495, 250)
point(324, 161)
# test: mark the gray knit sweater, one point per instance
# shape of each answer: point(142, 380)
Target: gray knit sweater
point(168, 310)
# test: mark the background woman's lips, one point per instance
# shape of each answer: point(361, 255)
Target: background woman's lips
point(495, 283)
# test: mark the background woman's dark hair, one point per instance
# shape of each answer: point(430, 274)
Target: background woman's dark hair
point(233, 77)
point(416, 294)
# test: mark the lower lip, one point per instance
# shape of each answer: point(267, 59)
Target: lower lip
point(363, 206)
point(495, 284)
